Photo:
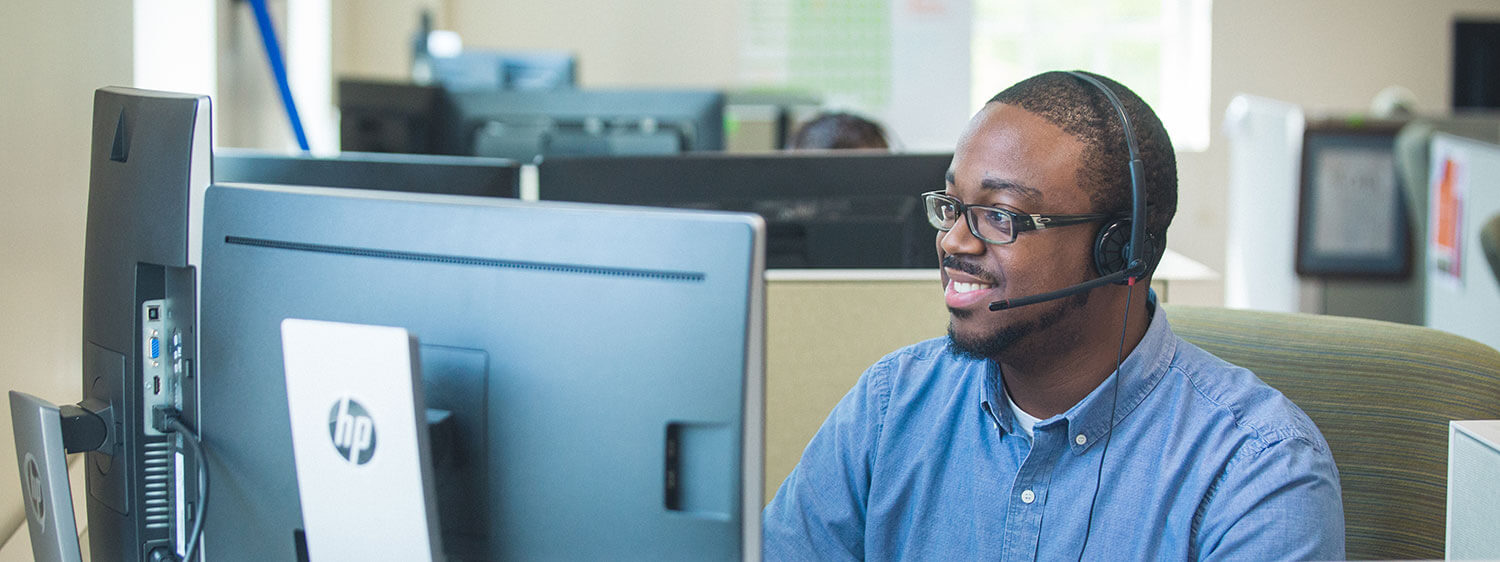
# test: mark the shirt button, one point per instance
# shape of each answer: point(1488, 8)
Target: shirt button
point(1028, 496)
point(1080, 439)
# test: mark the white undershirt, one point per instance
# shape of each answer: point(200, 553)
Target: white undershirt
point(1023, 419)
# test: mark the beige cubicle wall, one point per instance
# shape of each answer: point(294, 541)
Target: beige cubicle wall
point(822, 330)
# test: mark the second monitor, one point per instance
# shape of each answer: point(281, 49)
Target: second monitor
point(411, 173)
point(522, 125)
point(823, 210)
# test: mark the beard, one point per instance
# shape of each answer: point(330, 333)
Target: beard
point(995, 344)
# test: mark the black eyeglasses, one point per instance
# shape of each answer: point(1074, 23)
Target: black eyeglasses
point(993, 224)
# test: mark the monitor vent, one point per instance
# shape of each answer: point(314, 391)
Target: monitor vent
point(654, 274)
point(157, 474)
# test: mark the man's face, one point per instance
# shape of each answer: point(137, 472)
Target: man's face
point(1013, 159)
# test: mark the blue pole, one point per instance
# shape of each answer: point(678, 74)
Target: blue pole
point(278, 68)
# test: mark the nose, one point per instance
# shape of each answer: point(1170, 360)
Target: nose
point(959, 239)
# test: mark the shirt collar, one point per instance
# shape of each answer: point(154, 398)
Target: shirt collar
point(1090, 418)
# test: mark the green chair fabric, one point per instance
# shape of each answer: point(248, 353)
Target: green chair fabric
point(1381, 393)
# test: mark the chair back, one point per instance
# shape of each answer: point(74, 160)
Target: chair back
point(1381, 393)
point(1489, 239)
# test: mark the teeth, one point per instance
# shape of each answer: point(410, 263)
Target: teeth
point(959, 287)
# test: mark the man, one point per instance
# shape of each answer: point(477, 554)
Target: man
point(1080, 427)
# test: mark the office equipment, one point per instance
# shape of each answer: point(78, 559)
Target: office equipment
point(522, 125)
point(149, 167)
point(602, 365)
point(359, 434)
point(379, 116)
point(1381, 393)
point(1473, 490)
point(1352, 219)
point(40, 453)
point(825, 210)
point(424, 173)
point(483, 70)
point(1461, 295)
point(1476, 47)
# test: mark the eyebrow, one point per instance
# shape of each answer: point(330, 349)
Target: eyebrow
point(991, 183)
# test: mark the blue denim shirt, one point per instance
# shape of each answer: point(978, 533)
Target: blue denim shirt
point(921, 460)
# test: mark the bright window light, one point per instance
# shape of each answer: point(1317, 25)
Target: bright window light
point(1159, 48)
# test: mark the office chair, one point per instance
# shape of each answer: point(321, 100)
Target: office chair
point(1489, 239)
point(1381, 393)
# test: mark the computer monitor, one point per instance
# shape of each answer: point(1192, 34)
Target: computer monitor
point(148, 171)
point(602, 365)
point(823, 210)
point(484, 70)
point(522, 125)
point(416, 173)
point(378, 116)
point(1476, 54)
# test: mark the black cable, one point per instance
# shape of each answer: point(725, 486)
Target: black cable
point(190, 439)
point(1114, 400)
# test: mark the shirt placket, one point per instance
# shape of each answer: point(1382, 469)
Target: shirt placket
point(1028, 494)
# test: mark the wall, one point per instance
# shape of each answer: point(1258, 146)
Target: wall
point(372, 38)
point(619, 43)
point(56, 55)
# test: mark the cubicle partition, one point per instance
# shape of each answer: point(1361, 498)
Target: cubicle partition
point(1462, 296)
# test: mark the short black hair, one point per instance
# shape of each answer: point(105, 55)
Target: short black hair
point(838, 130)
point(1082, 110)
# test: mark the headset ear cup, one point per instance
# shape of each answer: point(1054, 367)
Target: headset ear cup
point(1112, 247)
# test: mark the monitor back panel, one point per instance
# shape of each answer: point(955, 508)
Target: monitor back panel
point(602, 365)
point(412, 173)
point(844, 210)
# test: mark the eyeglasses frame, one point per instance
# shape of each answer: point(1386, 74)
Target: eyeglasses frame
point(1022, 222)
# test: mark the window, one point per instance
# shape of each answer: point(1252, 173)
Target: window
point(1160, 48)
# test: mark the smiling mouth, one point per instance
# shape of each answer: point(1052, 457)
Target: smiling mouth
point(961, 287)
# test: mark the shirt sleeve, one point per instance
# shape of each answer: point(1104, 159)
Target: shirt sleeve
point(1277, 502)
point(819, 511)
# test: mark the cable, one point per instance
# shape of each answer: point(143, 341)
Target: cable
point(278, 68)
point(190, 439)
point(1114, 401)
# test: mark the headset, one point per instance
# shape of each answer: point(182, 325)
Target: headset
point(1122, 248)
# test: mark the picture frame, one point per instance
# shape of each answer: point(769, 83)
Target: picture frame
point(1353, 218)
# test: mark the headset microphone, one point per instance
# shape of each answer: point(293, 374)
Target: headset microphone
point(1116, 277)
point(1116, 260)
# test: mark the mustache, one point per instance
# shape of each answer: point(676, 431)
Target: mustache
point(969, 267)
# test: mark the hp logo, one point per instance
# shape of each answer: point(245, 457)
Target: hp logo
point(34, 493)
point(352, 430)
